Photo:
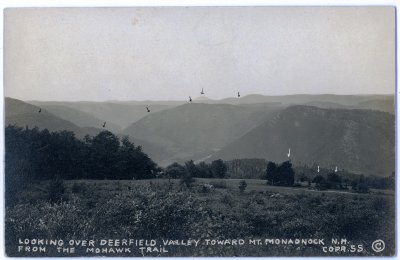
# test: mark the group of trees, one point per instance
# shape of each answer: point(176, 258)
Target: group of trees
point(282, 174)
point(333, 181)
point(34, 155)
point(360, 183)
point(217, 169)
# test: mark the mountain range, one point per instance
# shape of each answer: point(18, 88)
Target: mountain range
point(193, 131)
point(352, 132)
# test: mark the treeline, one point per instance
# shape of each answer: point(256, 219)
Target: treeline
point(216, 169)
point(360, 184)
point(328, 178)
point(34, 155)
point(246, 168)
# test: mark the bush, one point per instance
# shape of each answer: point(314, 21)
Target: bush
point(187, 179)
point(218, 184)
point(242, 185)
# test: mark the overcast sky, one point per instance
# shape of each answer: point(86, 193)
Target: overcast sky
point(172, 52)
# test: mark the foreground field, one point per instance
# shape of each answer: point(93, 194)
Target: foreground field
point(164, 209)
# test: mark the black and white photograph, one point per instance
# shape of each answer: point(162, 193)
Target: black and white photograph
point(199, 131)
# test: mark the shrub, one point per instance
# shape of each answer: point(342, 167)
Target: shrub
point(242, 185)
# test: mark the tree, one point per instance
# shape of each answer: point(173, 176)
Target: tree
point(354, 185)
point(218, 168)
point(104, 155)
point(280, 175)
point(334, 181)
point(271, 173)
point(192, 168)
point(286, 174)
point(303, 178)
point(204, 170)
point(319, 181)
point(362, 185)
point(242, 185)
point(175, 171)
point(133, 163)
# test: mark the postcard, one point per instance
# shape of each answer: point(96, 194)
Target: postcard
point(200, 131)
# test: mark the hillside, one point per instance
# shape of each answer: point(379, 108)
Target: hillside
point(301, 99)
point(79, 118)
point(23, 114)
point(193, 131)
point(380, 105)
point(361, 141)
point(121, 114)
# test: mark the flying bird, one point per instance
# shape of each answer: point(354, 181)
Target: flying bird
point(190, 99)
point(288, 155)
point(104, 125)
point(238, 95)
point(40, 110)
point(318, 168)
point(202, 91)
point(336, 169)
point(148, 110)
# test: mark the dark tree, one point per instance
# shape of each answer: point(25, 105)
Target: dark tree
point(354, 185)
point(133, 163)
point(271, 173)
point(286, 174)
point(334, 181)
point(192, 169)
point(204, 170)
point(280, 175)
point(319, 181)
point(175, 171)
point(362, 185)
point(218, 168)
point(104, 155)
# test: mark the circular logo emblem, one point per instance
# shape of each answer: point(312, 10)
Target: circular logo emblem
point(378, 245)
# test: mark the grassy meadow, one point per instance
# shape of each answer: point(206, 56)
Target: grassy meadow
point(162, 208)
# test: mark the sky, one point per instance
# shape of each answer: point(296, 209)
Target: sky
point(170, 53)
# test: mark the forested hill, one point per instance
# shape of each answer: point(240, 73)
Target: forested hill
point(361, 141)
point(193, 131)
point(26, 115)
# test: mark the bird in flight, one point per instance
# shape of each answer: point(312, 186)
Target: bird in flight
point(288, 155)
point(148, 110)
point(104, 125)
point(202, 91)
point(238, 94)
point(190, 99)
point(318, 168)
point(40, 109)
point(336, 169)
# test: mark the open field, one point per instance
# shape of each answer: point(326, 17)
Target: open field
point(253, 185)
point(162, 208)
